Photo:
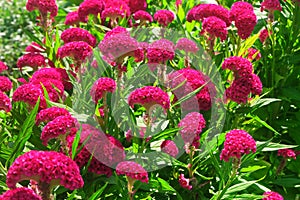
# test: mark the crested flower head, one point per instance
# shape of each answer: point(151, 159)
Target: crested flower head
point(65, 77)
point(5, 84)
point(169, 147)
point(238, 8)
point(90, 7)
point(45, 166)
point(270, 195)
point(45, 73)
point(33, 60)
point(270, 5)
point(187, 45)
point(137, 5)
point(78, 34)
point(215, 27)
point(79, 51)
point(133, 170)
point(72, 19)
point(164, 17)
point(142, 16)
point(3, 67)
point(264, 35)
point(116, 8)
point(287, 153)
point(253, 54)
point(160, 51)
point(240, 66)
point(43, 6)
point(245, 24)
point(50, 114)
point(20, 193)
point(149, 96)
point(184, 182)
point(237, 143)
point(101, 87)
point(5, 103)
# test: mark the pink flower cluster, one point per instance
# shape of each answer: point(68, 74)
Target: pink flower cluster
point(160, 51)
point(101, 87)
point(264, 35)
point(187, 45)
point(116, 9)
point(164, 17)
point(253, 54)
point(270, 195)
point(287, 153)
point(137, 5)
point(33, 60)
point(79, 51)
point(5, 84)
point(45, 166)
point(78, 34)
point(240, 66)
point(43, 6)
point(191, 128)
point(215, 27)
point(194, 79)
point(20, 193)
point(72, 19)
point(50, 114)
point(237, 143)
point(169, 147)
point(5, 103)
point(90, 7)
point(270, 5)
point(3, 67)
point(132, 170)
point(184, 182)
point(242, 13)
point(143, 16)
point(149, 96)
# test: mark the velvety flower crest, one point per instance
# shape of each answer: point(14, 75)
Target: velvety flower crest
point(169, 147)
point(50, 114)
point(5, 103)
point(20, 193)
point(101, 87)
point(187, 45)
point(5, 84)
point(270, 195)
point(43, 6)
point(78, 34)
point(164, 17)
point(132, 170)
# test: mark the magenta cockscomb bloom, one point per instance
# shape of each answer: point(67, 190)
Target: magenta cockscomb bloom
point(137, 5)
point(99, 168)
point(78, 34)
point(43, 6)
point(45, 166)
point(245, 24)
point(3, 67)
point(192, 79)
point(253, 54)
point(143, 16)
point(72, 19)
point(65, 77)
point(79, 51)
point(202, 11)
point(264, 35)
point(113, 13)
point(101, 87)
point(192, 125)
point(237, 143)
point(5, 84)
point(58, 128)
point(116, 8)
point(184, 182)
point(34, 48)
point(5, 103)
point(50, 114)
point(238, 8)
point(29, 93)
point(239, 65)
point(45, 73)
point(133, 170)
point(164, 17)
point(287, 153)
point(187, 45)
point(270, 5)
point(169, 147)
point(270, 195)
point(33, 60)
point(160, 51)
point(20, 193)
point(90, 7)
point(215, 27)
point(149, 96)
point(115, 31)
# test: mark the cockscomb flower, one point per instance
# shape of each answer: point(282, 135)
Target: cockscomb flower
point(137, 5)
point(239, 65)
point(270, 5)
point(253, 54)
point(3, 67)
point(264, 34)
point(184, 182)
point(192, 125)
point(87, 7)
point(48, 167)
point(72, 19)
point(270, 195)
point(5, 103)
point(50, 114)
point(237, 143)
point(187, 45)
point(29, 93)
point(160, 51)
point(58, 128)
point(33, 60)
point(115, 31)
point(65, 77)
point(287, 153)
point(20, 193)
point(78, 34)
point(34, 48)
point(178, 3)
point(149, 96)
point(113, 13)
point(101, 87)
point(238, 8)
point(79, 51)
point(5, 84)
point(99, 168)
point(45, 73)
point(192, 79)
point(245, 24)
point(133, 170)
point(169, 147)
point(43, 6)
point(116, 8)
point(164, 17)
point(215, 27)
point(143, 16)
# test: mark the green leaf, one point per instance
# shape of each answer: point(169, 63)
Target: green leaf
point(252, 168)
point(98, 192)
point(265, 124)
point(276, 146)
point(75, 143)
point(166, 187)
point(181, 14)
point(240, 186)
point(247, 44)
point(264, 102)
point(287, 182)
